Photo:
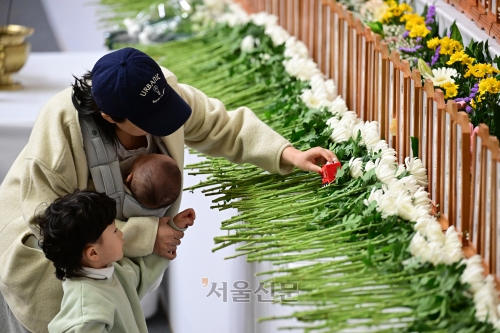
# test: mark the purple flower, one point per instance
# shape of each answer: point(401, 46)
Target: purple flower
point(410, 49)
point(464, 99)
point(418, 40)
point(435, 57)
point(429, 18)
point(405, 34)
point(474, 91)
point(468, 109)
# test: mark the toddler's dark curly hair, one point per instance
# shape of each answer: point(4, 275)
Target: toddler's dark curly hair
point(69, 224)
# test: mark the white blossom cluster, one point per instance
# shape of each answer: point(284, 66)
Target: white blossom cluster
point(405, 197)
point(483, 291)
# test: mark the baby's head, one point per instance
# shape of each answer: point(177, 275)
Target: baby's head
point(155, 180)
point(78, 230)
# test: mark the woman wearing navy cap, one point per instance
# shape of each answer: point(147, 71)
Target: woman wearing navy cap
point(140, 108)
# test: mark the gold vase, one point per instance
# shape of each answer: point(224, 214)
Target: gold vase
point(14, 51)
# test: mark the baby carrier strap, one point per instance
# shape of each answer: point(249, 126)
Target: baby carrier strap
point(103, 163)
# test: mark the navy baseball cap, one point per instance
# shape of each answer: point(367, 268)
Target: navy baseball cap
point(128, 83)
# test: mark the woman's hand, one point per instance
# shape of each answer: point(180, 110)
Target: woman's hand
point(167, 239)
point(308, 160)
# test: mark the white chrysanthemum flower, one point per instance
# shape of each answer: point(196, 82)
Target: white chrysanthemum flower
point(233, 19)
point(356, 167)
point(314, 100)
point(486, 300)
point(473, 273)
point(442, 75)
point(452, 246)
point(375, 195)
point(380, 146)
point(405, 208)
point(295, 47)
point(387, 205)
point(340, 134)
point(264, 18)
point(333, 122)
point(423, 222)
point(215, 6)
point(369, 165)
point(277, 33)
point(247, 44)
point(421, 199)
point(300, 68)
point(331, 89)
point(349, 119)
point(338, 106)
point(418, 245)
point(358, 128)
point(433, 233)
point(401, 168)
point(371, 135)
point(416, 168)
point(436, 253)
point(385, 172)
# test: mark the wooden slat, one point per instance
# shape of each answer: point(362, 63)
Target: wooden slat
point(394, 95)
point(417, 109)
point(405, 149)
point(368, 74)
point(384, 117)
point(360, 61)
point(351, 70)
point(427, 133)
point(489, 188)
point(325, 37)
point(304, 22)
point(376, 77)
point(463, 172)
point(282, 13)
point(333, 43)
point(341, 42)
point(495, 262)
point(437, 137)
point(312, 30)
point(480, 139)
point(452, 112)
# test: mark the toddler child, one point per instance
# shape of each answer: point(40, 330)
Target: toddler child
point(102, 289)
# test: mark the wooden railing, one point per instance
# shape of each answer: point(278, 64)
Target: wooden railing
point(464, 180)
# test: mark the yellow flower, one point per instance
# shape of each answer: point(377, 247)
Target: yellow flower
point(490, 85)
point(419, 31)
point(396, 12)
point(413, 20)
point(404, 7)
point(387, 16)
point(480, 70)
point(460, 56)
point(451, 89)
point(449, 46)
point(433, 43)
point(473, 103)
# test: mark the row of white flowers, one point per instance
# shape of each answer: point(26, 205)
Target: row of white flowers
point(405, 197)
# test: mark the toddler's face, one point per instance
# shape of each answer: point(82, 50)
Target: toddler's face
point(111, 245)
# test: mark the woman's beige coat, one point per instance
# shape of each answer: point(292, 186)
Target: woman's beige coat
point(53, 163)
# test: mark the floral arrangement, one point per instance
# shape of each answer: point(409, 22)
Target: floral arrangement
point(365, 250)
point(466, 74)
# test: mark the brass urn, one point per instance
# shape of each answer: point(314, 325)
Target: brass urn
point(14, 51)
